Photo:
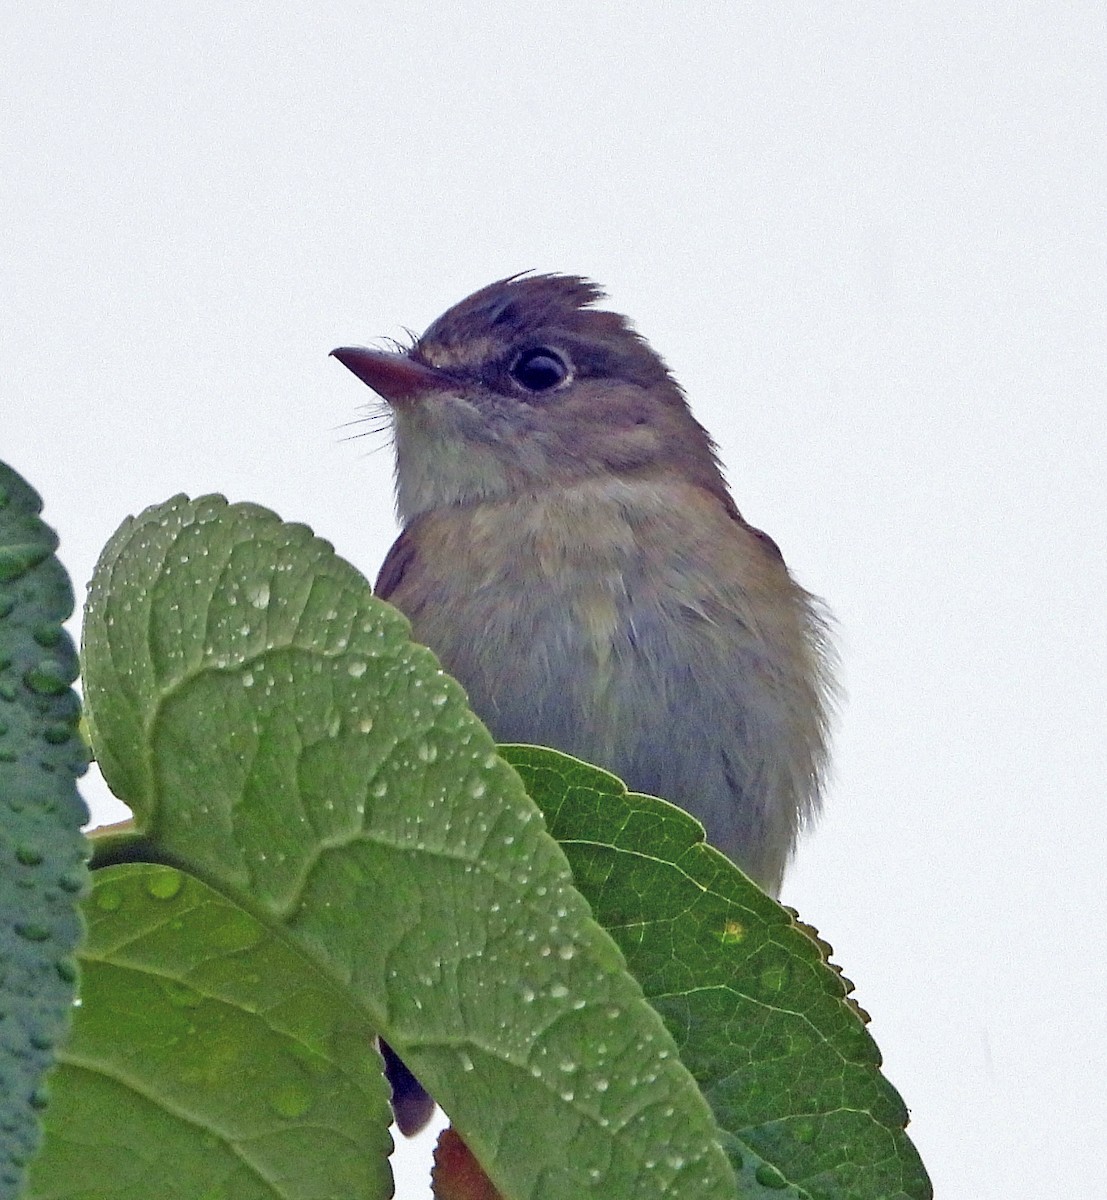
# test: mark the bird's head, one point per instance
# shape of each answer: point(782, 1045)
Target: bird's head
point(525, 385)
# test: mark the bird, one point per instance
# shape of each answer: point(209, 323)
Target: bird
point(571, 552)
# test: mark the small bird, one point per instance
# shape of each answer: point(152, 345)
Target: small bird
point(572, 554)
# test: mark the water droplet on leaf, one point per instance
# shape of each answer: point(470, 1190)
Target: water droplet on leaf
point(164, 884)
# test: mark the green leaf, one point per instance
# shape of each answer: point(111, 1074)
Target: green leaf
point(42, 852)
point(278, 735)
point(209, 1057)
point(761, 1019)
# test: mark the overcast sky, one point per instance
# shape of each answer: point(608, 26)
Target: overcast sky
point(871, 241)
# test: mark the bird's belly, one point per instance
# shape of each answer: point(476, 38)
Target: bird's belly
point(622, 684)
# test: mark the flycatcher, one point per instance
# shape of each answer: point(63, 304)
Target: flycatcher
point(572, 554)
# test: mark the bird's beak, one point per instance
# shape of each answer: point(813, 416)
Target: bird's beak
point(394, 377)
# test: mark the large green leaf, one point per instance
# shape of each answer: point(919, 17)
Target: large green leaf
point(762, 1020)
point(278, 736)
point(209, 1057)
point(42, 852)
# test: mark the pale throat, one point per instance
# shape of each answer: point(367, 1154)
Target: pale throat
point(439, 467)
point(436, 468)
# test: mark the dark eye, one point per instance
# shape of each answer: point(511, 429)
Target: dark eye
point(540, 370)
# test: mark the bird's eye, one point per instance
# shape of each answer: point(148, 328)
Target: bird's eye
point(539, 370)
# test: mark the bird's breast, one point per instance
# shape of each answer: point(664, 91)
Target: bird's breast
point(639, 627)
point(567, 606)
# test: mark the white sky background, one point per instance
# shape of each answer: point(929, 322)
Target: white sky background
point(871, 241)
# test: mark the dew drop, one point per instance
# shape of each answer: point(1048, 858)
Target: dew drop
point(164, 885)
point(258, 595)
point(769, 1177)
